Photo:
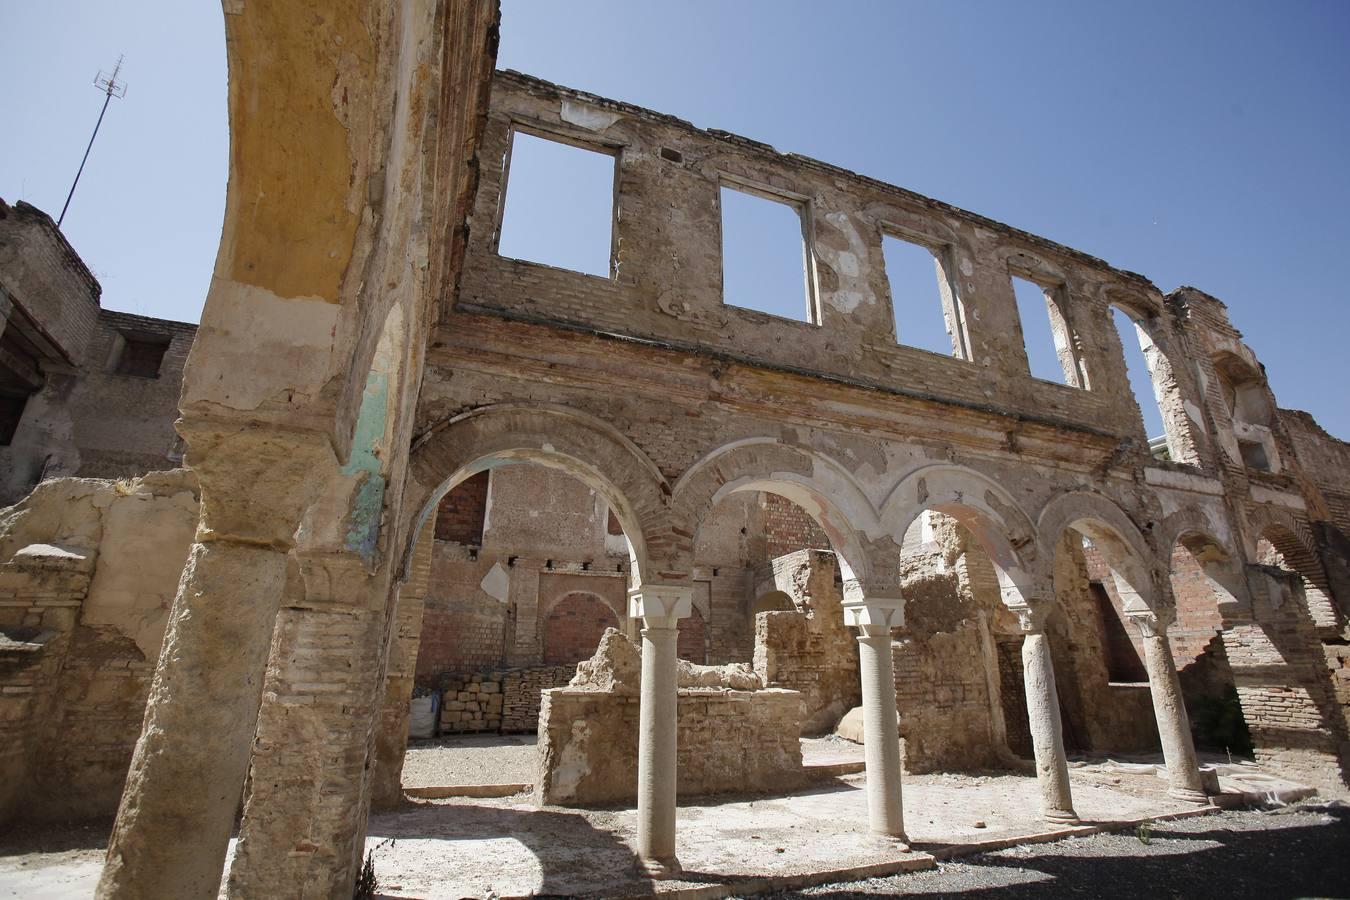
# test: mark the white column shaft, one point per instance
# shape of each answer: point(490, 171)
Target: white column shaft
point(881, 739)
point(657, 760)
point(1047, 738)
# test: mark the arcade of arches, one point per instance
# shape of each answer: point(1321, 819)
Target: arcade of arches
point(429, 460)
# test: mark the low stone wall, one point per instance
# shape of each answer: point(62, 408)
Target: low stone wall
point(733, 737)
point(88, 571)
point(810, 650)
point(504, 702)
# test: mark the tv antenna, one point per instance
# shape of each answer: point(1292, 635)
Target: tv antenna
point(111, 88)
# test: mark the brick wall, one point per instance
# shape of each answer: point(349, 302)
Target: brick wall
point(691, 644)
point(728, 742)
point(505, 701)
point(574, 627)
point(459, 517)
point(466, 635)
point(788, 527)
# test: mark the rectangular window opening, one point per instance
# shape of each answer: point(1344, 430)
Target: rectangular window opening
point(11, 412)
point(558, 205)
point(1254, 455)
point(765, 257)
point(1132, 341)
point(1045, 334)
point(916, 276)
point(141, 356)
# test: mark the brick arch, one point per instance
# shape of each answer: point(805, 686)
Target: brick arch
point(574, 626)
point(1300, 560)
point(813, 481)
point(1135, 568)
point(568, 440)
point(996, 521)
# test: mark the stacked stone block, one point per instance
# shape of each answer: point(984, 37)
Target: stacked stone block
point(503, 702)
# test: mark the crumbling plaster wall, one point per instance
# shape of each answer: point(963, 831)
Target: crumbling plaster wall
point(734, 735)
point(90, 569)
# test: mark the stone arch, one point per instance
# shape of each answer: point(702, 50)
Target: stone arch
point(567, 440)
point(1134, 567)
point(575, 623)
point(816, 483)
point(1000, 526)
point(773, 601)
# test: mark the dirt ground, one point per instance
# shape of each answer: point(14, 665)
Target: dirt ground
point(510, 759)
point(510, 847)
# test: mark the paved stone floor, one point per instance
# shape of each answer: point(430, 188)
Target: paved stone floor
point(509, 847)
point(437, 849)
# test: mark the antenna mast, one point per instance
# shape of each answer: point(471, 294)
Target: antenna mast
point(111, 88)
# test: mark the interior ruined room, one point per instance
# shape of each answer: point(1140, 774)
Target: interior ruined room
point(659, 549)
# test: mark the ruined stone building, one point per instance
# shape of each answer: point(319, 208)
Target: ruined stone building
point(86, 391)
point(415, 457)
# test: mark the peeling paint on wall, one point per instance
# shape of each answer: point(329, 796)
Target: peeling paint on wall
point(368, 501)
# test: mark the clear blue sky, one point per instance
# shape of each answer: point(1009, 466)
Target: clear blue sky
point(1202, 143)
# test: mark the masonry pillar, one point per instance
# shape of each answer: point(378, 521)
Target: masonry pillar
point(874, 618)
point(1183, 773)
point(1047, 737)
point(309, 780)
point(660, 607)
point(187, 772)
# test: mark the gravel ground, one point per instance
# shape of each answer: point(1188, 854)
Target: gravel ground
point(1296, 852)
point(470, 759)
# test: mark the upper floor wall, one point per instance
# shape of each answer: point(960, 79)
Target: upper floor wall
point(665, 279)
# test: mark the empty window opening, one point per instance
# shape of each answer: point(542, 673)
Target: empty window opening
point(1134, 340)
point(11, 412)
point(764, 256)
point(1254, 455)
point(1049, 345)
point(141, 356)
point(559, 205)
point(915, 275)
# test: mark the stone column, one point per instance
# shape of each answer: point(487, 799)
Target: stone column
point(187, 773)
point(660, 607)
point(1047, 737)
point(874, 618)
point(1183, 773)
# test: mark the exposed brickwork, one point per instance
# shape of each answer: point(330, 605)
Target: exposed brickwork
point(459, 517)
point(788, 527)
point(692, 641)
point(574, 628)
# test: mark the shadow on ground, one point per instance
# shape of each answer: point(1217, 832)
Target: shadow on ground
point(1298, 855)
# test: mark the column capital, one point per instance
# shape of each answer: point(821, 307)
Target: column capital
point(1153, 622)
point(660, 605)
point(1031, 617)
point(874, 613)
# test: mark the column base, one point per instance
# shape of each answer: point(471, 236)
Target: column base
point(899, 839)
point(1061, 817)
point(659, 869)
point(1189, 796)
